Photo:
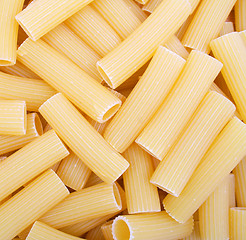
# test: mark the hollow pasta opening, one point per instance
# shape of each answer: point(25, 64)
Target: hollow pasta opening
point(117, 196)
point(105, 76)
point(38, 125)
point(121, 230)
point(107, 115)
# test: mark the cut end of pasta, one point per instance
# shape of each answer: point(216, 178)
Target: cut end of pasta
point(170, 191)
point(117, 197)
point(121, 229)
point(138, 141)
point(7, 62)
point(38, 125)
point(18, 19)
point(105, 76)
point(110, 112)
point(238, 208)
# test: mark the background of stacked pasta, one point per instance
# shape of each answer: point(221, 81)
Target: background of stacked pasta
point(122, 119)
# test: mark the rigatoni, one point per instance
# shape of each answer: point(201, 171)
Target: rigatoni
point(30, 203)
point(207, 23)
point(138, 48)
point(195, 235)
point(30, 161)
point(214, 167)
point(136, 9)
point(9, 30)
point(41, 16)
point(66, 77)
point(141, 195)
point(238, 223)
point(232, 190)
point(227, 28)
point(151, 5)
point(95, 233)
point(175, 170)
point(240, 15)
point(12, 117)
point(107, 230)
point(145, 99)
point(152, 226)
point(96, 201)
point(83, 139)
point(194, 81)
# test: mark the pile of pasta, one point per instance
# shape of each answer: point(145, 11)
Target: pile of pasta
point(123, 119)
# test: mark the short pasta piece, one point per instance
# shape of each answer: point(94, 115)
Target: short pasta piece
point(240, 13)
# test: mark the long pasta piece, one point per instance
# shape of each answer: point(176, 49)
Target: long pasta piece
point(92, 28)
point(83, 139)
point(194, 81)
point(73, 172)
point(42, 231)
point(240, 182)
point(93, 202)
point(117, 14)
point(107, 230)
point(145, 99)
point(136, 9)
point(139, 47)
point(214, 213)
point(30, 161)
point(238, 223)
point(214, 167)
point(230, 49)
point(67, 42)
point(9, 31)
point(206, 24)
point(232, 190)
point(175, 170)
point(240, 13)
point(141, 195)
point(12, 117)
point(41, 16)
point(95, 233)
point(30, 203)
point(34, 129)
point(35, 92)
point(150, 226)
point(61, 73)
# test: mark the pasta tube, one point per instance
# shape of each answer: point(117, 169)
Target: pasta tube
point(67, 42)
point(30, 203)
point(41, 16)
point(152, 226)
point(107, 230)
point(34, 129)
point(96, 201)
point(41, 231)
point(95, 233)
point(92, 28)
point(195, 235)
point(9, 31)
point(30, 161)
point(227, 28)
point(206, 24)
point(145, 99)
point(232, 193)
point(240, 13)
point(237, 223)
point(141, 195)
point(73, 172)
point(61, 73)
point(175, 170)
point(136, 9)
point(12, 117)
point(240, 182)
point(93, 180)
point(83, 139)
point(230, 50)
point(151, 5)
point(214, 213)
point(138, 48)
point(224, 154)
point(193, 83)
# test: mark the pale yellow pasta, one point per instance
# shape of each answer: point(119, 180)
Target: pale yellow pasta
point(30, 203)
point(238, 223)
point(214, 167)
point(214, 213)
point(194, 81)
point(30, 161)
point(240, 181)
point(41, 231)
point(34, 129)
point(240, 15)
point(89, 203)
point(73, 172)
point(151, 5)
point(195, 235)
point(232, 189)
point(175, 170)
point(65, 76)
point(107, 230)
point(141, 195)
point(83, 139)
point(9, 30)
point(145, 99)
point(41, 16)
point(95, 233)
point(55, 166)
point(152, 226)
point(231, 51)
point(135, 8)
point(227, 28)
point(12, 117)
point(139, 47)
point(206, 24)
point(93, 180)
point(67, 42)
point(92, 28)
point(33, 91)
point(117, 14)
